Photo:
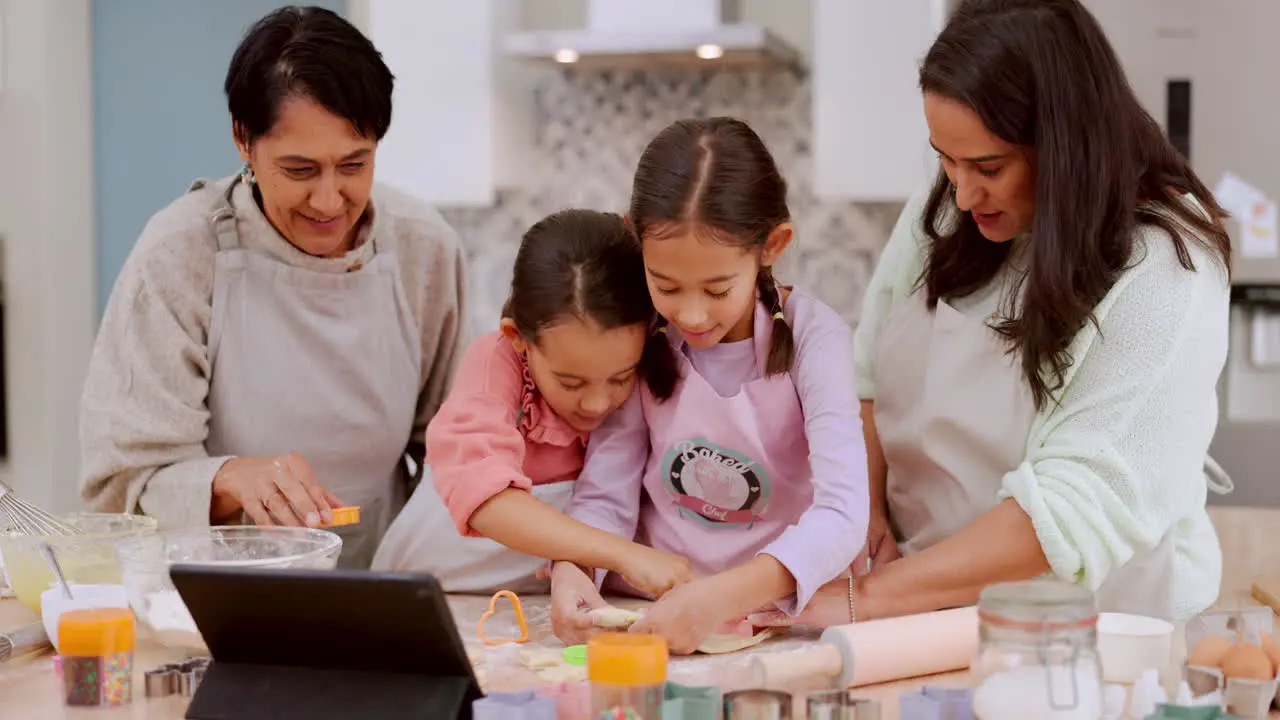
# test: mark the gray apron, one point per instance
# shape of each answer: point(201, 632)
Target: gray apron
point(423, 539)
point(954, 412)
point(322, 364)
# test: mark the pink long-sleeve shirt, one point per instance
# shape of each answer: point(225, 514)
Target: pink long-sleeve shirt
point(495, 431)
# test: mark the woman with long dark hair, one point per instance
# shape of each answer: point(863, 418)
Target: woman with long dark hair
point(1043, 337)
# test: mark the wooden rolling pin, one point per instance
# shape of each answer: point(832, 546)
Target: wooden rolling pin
point(878, 650)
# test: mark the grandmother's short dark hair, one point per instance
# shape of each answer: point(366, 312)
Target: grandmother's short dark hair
point(309, 52)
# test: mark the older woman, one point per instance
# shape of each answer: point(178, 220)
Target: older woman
point(1042, 338)
point(278, 340)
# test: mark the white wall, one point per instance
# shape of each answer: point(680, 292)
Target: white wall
point(46, 222)
point(789, 18)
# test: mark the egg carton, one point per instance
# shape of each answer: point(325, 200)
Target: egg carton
point(1244, 698)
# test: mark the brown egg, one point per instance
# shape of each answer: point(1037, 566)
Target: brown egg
point(1247, 662)
point(1272, 649)
point(1209, 651)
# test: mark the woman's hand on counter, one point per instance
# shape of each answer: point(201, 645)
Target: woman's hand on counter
point(573, 595)
point(280, 490)
point(654, 572)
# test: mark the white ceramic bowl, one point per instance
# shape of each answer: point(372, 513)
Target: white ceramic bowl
point(84, 597)
point(1129, 644)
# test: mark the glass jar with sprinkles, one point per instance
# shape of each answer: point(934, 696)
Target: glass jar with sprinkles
point(97, 647)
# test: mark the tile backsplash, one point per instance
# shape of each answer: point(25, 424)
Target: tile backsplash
point(592, 127)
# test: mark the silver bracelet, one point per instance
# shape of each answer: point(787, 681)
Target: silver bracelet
point(853, 614)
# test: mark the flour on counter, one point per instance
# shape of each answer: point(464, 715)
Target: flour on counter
point(166, 611)
point(172, 622)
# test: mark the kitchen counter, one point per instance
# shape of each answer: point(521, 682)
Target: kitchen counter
point(29, 688)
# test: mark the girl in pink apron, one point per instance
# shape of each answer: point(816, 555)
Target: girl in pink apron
point(755, 467)
point(505, 447)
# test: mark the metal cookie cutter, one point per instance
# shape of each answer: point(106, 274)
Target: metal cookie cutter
point(936, 703)
point(162, 681)
point(840, 705)
point(176, 678)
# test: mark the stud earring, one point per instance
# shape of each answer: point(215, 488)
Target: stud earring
point(246, 174)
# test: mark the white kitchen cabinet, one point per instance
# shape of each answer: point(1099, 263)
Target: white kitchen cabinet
point(870, 141)
point(463, 124)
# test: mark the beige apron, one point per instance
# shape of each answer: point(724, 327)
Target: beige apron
point(954, 412)
point(322, 364)
point(423, 539)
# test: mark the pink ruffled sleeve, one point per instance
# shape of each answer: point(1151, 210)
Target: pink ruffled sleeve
point(474, 444)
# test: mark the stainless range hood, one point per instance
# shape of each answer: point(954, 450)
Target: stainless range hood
point(647, 33)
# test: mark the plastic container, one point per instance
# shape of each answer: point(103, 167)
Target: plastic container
point(88, 558)
point(97, 657)
point(628, 674)
point(145, 562)
point(1130, 644)
point(84, 597)
point(1243, 698)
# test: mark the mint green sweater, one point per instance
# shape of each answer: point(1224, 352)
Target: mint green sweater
point(1120, 460)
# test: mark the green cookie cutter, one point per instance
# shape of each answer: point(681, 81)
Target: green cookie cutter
point(576, 655)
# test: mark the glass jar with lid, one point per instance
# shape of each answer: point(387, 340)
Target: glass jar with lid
point(1037, 653)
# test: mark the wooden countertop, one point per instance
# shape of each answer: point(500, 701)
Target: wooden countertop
point(29, 688)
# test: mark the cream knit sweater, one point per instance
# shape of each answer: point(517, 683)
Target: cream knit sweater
point(143, 419)
point(1120, 460)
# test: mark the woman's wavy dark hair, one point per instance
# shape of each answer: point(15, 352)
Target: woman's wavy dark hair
point(1041, 74)
point(587, 265)
point(716, 177)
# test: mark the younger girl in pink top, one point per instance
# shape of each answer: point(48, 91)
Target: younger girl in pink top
point(507, 444)
point(755, 469)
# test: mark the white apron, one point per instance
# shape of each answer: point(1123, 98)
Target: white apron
point(953, 412)
point(423, 539)
point(322, 364)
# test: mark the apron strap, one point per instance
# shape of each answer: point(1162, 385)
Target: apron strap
point(223, 218)
point(1218, 479)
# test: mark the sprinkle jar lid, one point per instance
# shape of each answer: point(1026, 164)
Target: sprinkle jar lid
point(628, 659)
point(96, 632)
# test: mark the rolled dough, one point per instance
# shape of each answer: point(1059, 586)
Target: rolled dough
point(616, 618)
point(540, 658)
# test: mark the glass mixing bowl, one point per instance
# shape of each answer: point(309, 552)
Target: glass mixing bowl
point(88, 558)
point(153, 597)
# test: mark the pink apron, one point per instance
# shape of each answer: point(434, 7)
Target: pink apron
point(954, 414)
point(725, 476)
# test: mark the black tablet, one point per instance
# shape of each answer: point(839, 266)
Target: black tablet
point(321, 644)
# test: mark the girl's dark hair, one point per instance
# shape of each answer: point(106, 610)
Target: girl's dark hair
point(715, 178)
point(310, 52)
point(587, 265)
point(1041, 74)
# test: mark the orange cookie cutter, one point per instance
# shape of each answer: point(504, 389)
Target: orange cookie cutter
point(344, 516)
point(520, 619)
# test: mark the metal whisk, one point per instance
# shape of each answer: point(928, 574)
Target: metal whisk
point(28, 519)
